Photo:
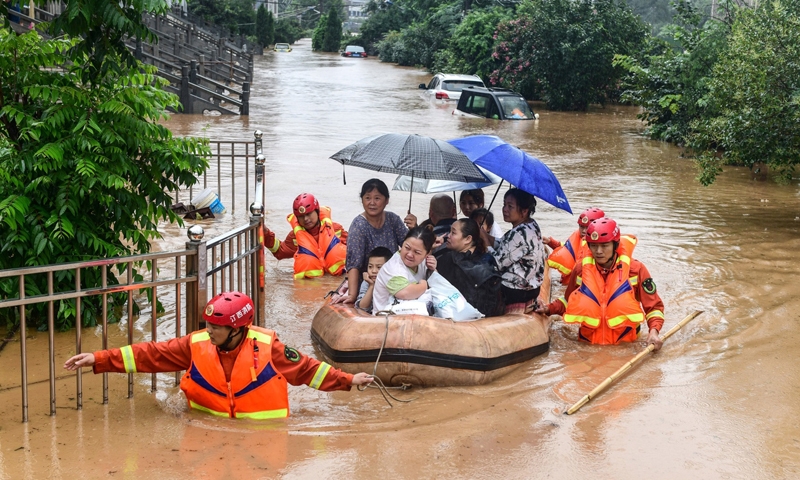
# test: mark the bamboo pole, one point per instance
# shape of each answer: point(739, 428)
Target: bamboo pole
point(614, 376)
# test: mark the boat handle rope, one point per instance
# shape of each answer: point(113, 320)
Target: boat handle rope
point(379, 383)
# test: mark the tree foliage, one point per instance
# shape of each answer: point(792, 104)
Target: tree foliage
point(238, 16)
point(318, 37)
point(287, 30)
point(754, 94)
point(333, 28)
point(469, 50)
point(671, 82)
point(265, 26)
point(86, 168)
point(562, 50)
point(418, 43)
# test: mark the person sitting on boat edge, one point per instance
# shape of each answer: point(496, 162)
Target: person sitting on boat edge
point(376, 259)
point(519, 253)
point(609, 293)
point(467, 266)
point(472, 201)
point(405, 275)
point(566, 255)
point(374, 227)
point(233, 369)
point(317, 244)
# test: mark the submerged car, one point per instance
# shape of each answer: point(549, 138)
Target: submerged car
point(282, 47)
point(354, 51)
point(495, 103)
point(445, 86)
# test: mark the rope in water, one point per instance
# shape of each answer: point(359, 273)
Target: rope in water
point(378, 382)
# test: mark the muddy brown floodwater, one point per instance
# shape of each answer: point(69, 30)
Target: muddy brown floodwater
point(719, 401)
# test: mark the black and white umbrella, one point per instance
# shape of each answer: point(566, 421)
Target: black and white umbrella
point(413, 155)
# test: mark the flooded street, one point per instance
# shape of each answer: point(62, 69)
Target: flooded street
point(720, 401)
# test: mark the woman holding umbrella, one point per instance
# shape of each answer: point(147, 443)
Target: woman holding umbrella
point(520, 253)
point(374, 227)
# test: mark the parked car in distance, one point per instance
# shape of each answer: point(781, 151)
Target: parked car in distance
point(445, 86)
point(495, 103)
point(282, 47)
point(354, 51)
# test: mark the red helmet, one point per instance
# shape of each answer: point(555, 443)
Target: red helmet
point(230, 309)
point(602, 230)
point(304, 204)
point(588, 215)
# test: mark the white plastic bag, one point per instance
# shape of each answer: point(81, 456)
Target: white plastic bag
point(410, 307)
point(448, 301)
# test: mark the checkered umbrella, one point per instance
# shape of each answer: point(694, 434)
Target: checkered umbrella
point(412, 155)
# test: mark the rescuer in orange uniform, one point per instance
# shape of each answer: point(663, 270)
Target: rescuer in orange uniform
point(609, 294)
point(574, 249)
point(233, 369)
point(317, 244)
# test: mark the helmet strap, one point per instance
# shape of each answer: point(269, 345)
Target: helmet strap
point(231, 335)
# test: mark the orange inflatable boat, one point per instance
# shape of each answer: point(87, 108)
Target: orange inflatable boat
point(429, 351)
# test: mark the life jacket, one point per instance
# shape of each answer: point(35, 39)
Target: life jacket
point(256, 389)
point(608, 304)
point(565, 257)
point(313, 258)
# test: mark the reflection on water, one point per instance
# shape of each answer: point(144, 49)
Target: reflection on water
point(719, 401)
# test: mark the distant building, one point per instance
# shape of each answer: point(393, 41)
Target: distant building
point(355, 9)
point(271, 5)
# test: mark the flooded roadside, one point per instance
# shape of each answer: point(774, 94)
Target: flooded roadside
point(719, 401)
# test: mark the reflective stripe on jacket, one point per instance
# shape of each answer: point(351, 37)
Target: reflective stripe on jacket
point(565, 257)
point(256, 389)
point(607, 303)
point(313, 258)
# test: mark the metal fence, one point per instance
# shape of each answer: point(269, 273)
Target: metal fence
point(230, 162)
point(232, 261)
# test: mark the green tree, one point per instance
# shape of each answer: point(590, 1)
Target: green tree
point(318, 37)
point(86, 167)
point(754, 93)
point(385, 18)
point(418, 43)
point(333, 28)
point(238, 16)
point(265, 26)
point(469, 49)
point(562, 50)
point(671, 82)
point(287, 30)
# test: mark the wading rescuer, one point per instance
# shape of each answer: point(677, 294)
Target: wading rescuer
point(233, 369)
point(609, 294)
point(572, 251)
point(317, 244)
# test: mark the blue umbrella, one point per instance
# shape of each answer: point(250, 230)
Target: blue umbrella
point(517, 167)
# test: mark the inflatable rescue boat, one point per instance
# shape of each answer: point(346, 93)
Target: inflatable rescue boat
point(429, 351)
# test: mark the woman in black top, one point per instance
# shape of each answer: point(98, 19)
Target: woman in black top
point(466, 265)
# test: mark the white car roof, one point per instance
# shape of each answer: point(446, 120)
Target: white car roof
point(456, 76)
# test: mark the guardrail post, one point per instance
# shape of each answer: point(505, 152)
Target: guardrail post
point(202, 68)
point(258, 263)
point(196, 265)
point(193, 75)
point(138, 51)
point(245, 110)
point(185, 97)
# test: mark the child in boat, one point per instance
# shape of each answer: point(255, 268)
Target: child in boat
point(405, 275)
point(375, 260)
point(485, 219)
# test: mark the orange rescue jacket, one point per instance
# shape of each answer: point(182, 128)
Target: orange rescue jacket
point(608, 304)
point(313, 258)
point(567, 255)
point(256, 389)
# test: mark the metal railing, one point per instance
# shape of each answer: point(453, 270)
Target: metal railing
point(232, 261)
point(230, 161)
